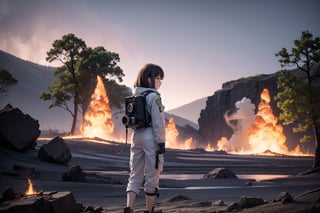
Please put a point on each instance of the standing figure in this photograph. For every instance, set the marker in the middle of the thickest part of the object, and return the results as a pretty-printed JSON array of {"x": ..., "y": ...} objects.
[{"x": 148, "y": 143}]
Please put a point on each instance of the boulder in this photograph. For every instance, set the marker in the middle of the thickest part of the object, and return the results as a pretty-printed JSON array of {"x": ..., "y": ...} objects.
[
  {"x": 249, "y": 202},
  {"x": 56, "y": 151},
  {"x": 219, "y": 173},
  {"x": 176, "y": 198},
  {"x": 233, "y": 207},
  {"x": 284, "y": 197},
  {"x": 74, "y": 173},
  {"x": 8, "y": 194},
  {"x": 218, "y": 203},
  {"x": 18, "y": 131}
]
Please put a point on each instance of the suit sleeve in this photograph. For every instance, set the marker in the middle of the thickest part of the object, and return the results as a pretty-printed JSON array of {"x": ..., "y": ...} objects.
[{"x": 157, "y": 119}]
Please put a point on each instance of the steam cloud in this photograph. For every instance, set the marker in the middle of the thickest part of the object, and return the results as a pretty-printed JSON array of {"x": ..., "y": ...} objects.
[{"x": 240, "y": 121}]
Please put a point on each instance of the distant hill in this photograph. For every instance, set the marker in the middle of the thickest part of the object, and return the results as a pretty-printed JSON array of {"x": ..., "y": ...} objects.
[
  {"x": 190, "y": 111},
  {"x": 33, "y": 79}
]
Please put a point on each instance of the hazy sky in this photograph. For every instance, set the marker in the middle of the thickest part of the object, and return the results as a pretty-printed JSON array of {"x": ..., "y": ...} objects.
[{"x": 200, "y": 44}]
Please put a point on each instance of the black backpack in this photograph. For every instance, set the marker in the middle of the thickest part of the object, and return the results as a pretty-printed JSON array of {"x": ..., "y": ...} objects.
[{"x": 136, "y": 114}]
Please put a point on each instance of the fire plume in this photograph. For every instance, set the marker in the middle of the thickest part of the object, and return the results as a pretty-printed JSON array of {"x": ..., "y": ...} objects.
[
  {"x": 171, "y": 134},
  {"x": 98, "y": 120},
  {"x": 265, "y": 134}
]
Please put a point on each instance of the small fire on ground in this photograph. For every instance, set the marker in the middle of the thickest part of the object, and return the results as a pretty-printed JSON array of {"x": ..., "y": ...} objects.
[
  {"x": 98, "y": 119},
  {"x": 30, "y": 190}
]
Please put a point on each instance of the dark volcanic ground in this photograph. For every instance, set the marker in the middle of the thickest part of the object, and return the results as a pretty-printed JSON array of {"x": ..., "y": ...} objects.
[{"x": 182, "y": 174}]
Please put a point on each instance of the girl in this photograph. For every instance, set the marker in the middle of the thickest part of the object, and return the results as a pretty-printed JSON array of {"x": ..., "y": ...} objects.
[{"x": 148, "y": 143}]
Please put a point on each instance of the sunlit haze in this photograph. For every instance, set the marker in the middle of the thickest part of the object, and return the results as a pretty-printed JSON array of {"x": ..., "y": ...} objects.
[{"x": 199, "y": 44}]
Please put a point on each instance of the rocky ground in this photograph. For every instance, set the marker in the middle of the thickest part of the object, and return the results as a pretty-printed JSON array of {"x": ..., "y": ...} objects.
[{"x": 182, "y": 187}]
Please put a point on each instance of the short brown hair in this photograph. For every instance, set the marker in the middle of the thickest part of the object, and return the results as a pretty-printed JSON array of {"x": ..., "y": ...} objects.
[{"x": 148, "y": 71}]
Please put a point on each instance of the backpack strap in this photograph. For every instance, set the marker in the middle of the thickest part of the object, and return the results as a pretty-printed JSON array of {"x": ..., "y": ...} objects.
[
  {"x": 147, "y": 92},
  {"x": 147, "y": 115}
]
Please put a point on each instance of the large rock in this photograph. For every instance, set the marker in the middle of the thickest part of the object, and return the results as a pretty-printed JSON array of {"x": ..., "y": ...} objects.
[
  {"x": 56, "y": 151},
  {"x": 18, "y": 131},
  {"x": 74, "y": 173},
  {"x": 249, "y": 202},
  {"x": 48, "y": 202},
  {"x": 220, "y": 173}
]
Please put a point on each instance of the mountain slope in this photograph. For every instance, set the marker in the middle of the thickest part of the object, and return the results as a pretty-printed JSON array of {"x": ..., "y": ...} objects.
[
  {"x": 33, "y": 79},
  {"x": 190, "y": 111}
]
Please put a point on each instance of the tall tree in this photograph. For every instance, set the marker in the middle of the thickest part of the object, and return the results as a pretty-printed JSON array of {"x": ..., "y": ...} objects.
[
  {"x": 299, "y": 96},
  {"x": 94, "y": 62},
  {"x": 77, "y": 77},
  {"x": 6, "y": 80},
  {"x": 68, "y": 51}
]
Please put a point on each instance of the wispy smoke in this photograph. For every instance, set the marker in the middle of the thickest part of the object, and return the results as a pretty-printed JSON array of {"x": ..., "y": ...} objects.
[{"x": 240, "y": 121}]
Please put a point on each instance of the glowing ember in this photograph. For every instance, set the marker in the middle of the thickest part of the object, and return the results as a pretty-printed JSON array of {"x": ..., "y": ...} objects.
[
  {"x": 222, "y": 144},
  {"x": 98, "y": 120},
  {"x": 30, "y": 190},
  {"x": 188, "y": 144},
  {"x": 209, "y": 148}
]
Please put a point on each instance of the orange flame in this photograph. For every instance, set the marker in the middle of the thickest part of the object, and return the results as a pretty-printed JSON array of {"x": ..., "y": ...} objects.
[
  {"x": 262, "y": 136},
  {"x": 98, "y": 120},
  {"x": 266, "y": 134},
  {"x": 171, "y": 134},
  {"x": 30, "y": 190},
  {"x": 172, "y": 137}
]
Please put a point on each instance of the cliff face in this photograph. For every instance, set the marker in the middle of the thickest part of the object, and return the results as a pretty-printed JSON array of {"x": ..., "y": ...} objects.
[{"x": 212, "y": 125}]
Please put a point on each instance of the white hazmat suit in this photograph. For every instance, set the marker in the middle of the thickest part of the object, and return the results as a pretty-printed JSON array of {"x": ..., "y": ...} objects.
[{"x": 144, "y": 146}]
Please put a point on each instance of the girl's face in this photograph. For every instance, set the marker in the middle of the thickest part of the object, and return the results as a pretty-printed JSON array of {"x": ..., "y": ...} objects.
[{"x": 157, "y": 82}]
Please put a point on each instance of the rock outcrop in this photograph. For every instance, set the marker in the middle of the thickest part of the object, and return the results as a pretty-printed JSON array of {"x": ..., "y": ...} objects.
[{"x": 18, "y": 131}]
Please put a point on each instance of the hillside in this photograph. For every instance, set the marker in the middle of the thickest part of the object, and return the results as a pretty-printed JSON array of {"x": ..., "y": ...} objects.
[
  {"x": 190, "y": 111},
  {"x": 33, "y": 79}
]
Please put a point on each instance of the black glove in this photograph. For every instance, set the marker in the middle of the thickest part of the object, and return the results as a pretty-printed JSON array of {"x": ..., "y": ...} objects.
[{"x": 161, "y": 149}]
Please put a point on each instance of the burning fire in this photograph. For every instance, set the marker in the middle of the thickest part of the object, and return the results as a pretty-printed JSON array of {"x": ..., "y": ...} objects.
[
  {"x": 172, "y": 137},
  {"x": 171, "y": 134},
  {"x": 98, "y": 120},
  {"x": 30, "y": 190},
  {"x": 265, "y": 134},
  {"x": 255, "y": 134}
]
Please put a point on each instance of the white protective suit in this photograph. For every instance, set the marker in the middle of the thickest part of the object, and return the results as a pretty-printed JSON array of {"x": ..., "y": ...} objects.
[{"x": 144, "y": 146}]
